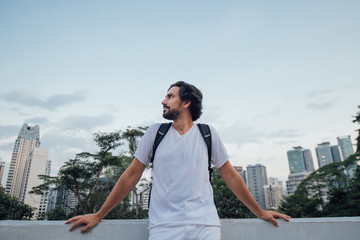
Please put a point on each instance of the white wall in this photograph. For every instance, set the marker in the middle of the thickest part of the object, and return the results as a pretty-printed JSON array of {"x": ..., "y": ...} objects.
[{"x": 247, "y": 229}]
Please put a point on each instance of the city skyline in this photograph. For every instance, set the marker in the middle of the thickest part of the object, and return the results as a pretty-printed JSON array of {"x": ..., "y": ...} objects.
[
  {"x": 300, "y": 165},
  {"x": 274, "y": 76}
]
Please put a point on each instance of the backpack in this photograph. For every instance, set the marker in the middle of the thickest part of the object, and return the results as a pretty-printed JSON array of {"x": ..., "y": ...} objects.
[
  {"x": 164, "y": 128},
  {"x": 205, "y": 132}
]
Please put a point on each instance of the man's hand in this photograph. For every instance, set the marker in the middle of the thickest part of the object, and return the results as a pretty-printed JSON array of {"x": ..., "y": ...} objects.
[
  {"x": 90, "y": 221},
  {"x": 271, "y": 215}
]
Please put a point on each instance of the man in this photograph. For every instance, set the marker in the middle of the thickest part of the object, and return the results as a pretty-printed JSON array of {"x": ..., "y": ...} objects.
[{"x": 182, "y": 205}]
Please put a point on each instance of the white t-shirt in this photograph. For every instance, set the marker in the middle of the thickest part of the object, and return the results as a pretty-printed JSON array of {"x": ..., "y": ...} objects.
[{"x": 181, "y": 192}]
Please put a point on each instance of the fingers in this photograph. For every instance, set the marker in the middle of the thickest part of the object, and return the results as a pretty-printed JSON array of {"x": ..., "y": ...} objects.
[
  {"x": 282, "y": 216},
  {"x": 85, "y": 229},
  {"x": 78, "y": 220},
  {"x": 285, "y": 217},
  {"x": 89, "y": 221},
  {"x": 273, "y": 221},
  {"x": 77, "y": 223},
  {"x": 74, "y": 219},
  {"x": 272, "y": 215}
]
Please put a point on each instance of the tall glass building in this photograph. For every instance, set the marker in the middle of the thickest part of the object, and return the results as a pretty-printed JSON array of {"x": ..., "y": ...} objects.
[
  {"x": 323, "y": 153},
  {"x": 257, "y": 178},
  {"x": 308, "y": 160},
  {"x": 27, "y": 140},
  {"x": 300, "y": 160},
  {"x": 346, "y": 147},
  {"x": 27, "y": 162},
  {"x": 335, "y": 152}
]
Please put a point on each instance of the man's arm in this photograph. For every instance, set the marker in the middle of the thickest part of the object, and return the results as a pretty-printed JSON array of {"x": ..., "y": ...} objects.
[
  {"x": 234, "y": 181},
  {"x": 125, "y": 184}
]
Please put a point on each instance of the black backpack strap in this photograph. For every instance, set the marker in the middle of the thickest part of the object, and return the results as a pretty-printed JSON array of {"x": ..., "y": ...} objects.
[
  {"x": 206, "y": 133},
  {"x": 163, "y": 129}
]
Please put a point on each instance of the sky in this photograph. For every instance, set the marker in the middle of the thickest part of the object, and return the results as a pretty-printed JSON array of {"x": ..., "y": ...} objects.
[{"x": 274, "y": 74}]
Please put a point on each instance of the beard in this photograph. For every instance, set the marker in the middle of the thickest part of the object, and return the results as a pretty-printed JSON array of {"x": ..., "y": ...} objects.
[{"x": 171, "y": 114}]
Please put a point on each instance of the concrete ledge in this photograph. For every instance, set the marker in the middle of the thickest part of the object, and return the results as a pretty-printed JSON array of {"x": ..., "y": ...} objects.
[{"x": 347, "y": 228}]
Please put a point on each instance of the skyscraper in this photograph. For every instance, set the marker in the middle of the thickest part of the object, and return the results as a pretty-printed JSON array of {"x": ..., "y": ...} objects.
[
  {"x": 28, "y": 139},
  {"x": 242, "y": 173},
  {"x": 27, "y": 162},
  {"x": 323, "y": 153},
  {"x": 2, "y": 168},
  {"x": 257, "y": 178},
  {"x": 335, "y": 153},
  {"x": 346, "y": 147},
  {"x": 296, "y": 160},
  {"x": 294, "y": 179},
  {"x": 300, "y": 160},
  {"x": 273, "y": 193},
  {"x": 40, "y": 165},
  {"x": 308, "y": 159},
  {"x": 301, "y": 164}
]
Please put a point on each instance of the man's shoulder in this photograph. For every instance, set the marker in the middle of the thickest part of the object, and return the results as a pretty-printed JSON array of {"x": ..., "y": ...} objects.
[
  {"x": 157, "y": 125},
  {"x": 210, "y": 126},
  {"x": 213, "y": 130}
]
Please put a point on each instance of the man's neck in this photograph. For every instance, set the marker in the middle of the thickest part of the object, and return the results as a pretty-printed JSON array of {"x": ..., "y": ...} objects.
[{"x": 183, "y": 125}]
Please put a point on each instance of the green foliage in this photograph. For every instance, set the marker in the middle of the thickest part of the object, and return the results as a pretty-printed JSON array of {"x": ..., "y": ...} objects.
[
  {"x": 227, "y": 204},
  {"x": 357, "y": 120},
  {"x": 92, "y": 176},
  {"x": 132, "y": 135},
  {"x": 299, "y": 205},
  {"x": 56, "y": 214},
  {"x": 137, "y": 214},
  {"x": 11, "y": 208},
  {"x": 330, "y": 191}
]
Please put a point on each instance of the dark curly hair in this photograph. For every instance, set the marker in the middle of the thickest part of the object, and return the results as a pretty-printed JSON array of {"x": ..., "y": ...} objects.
[{"x": 190, "y": 93}]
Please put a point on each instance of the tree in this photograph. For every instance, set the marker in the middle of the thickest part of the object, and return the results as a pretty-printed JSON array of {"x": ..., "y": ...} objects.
[
  {"x": 227, "y": 204},
  {"x": 133, "y": 135},
  {"x": 357, "y": 119},
  {"x": 91, "y": 176},
  {"x": 327, "y": 192},
  {"x": 56, "y": 214},
  {"x": 11, "y": 208},
  {"x": 332, "y": 190},
  {"x": 344, "y": 199},
  {"x": 299, "y": 205},
  {"x": 353, "y": 196}
]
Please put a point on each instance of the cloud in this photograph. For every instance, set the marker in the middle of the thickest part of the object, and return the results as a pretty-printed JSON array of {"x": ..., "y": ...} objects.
[
  {"x": 271, "y": 113},
  {"x": 9, "y": 131},
  {"x": 64, "y": 146},
  {"x": 7, "y": 146},
  {"x": 31, "y": 99},
  {"x": 321, "y": 105},
  {"x": 37, "y": 120},
  {"x": 57, "y": 138},
  {"x": 78, "y": 122},
  {"x": 320, "y": 92},
  {"x": 285, "y": 133},
  {"x": 240, "y": 133},
  {"x": 322, "y": 99}
]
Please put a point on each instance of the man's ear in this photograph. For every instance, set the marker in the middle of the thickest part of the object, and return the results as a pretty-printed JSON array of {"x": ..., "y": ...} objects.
[{"x": 187, "y": 104}]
